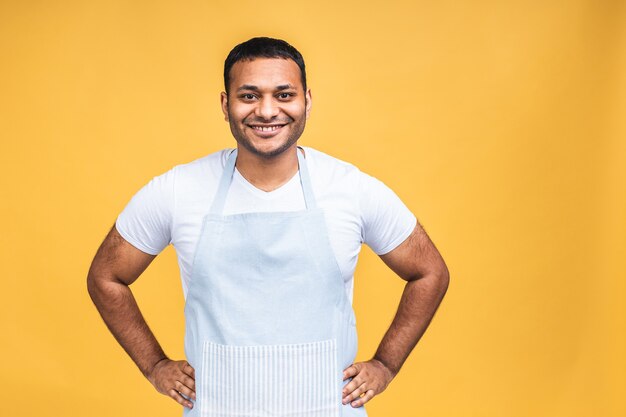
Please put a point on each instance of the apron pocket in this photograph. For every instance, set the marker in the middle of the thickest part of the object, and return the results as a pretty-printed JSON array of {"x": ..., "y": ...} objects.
[{"x": 294, "y": 380}]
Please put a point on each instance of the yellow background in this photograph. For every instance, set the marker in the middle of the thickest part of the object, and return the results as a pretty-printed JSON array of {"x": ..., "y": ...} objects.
[{"x": 502, "y": 125}]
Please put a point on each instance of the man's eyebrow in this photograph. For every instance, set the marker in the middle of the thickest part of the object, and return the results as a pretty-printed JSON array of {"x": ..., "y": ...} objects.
[
  {"x": 255, "y": 88},
  {"x": 248, "y": 87}
]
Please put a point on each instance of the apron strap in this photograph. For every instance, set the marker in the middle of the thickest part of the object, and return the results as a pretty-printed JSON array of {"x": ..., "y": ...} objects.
[
  {"x": 222, "y": 191},
  {"x": 305, "y": 181},
  {"x": 227, "y": 176}
]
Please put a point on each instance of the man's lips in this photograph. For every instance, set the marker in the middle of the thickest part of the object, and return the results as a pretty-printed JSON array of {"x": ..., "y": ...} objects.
[{"x": 266, "y": 130}]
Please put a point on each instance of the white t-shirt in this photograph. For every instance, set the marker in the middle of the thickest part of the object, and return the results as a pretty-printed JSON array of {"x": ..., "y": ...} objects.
[{"x": 358, "y": 209}]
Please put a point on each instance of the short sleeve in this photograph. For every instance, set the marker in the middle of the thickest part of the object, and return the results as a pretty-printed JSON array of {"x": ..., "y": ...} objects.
[
  {"x": 386, "y": 220},
  {"x": 146, "y": 221}
]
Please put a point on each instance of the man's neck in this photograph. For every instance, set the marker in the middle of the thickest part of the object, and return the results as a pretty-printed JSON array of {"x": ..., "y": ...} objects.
[{"x": 267, "y": 174}]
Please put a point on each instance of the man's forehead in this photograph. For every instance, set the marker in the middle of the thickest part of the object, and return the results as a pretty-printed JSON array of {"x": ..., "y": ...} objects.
[{"x": 265, "y": 73}]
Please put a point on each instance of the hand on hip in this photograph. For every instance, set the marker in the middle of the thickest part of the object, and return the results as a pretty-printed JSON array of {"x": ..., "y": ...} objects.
[
  {"x": 175, "y": 379},
  {"x": 369, "y": 378}
]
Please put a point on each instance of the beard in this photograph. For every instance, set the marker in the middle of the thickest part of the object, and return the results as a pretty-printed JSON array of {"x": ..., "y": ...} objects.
[{"x": 296, "y": 127}]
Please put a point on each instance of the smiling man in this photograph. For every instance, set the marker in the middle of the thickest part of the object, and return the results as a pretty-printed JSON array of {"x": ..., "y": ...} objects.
[
  {"x": 275, "y": 128},
  {"x": 267, "y": 236}
]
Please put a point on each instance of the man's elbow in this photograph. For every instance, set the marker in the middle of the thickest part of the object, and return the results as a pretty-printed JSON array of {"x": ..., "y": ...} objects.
[
  {"x": 102, "y": 286},
  {"x": 95, "y": 286},
  {"x": 442, "y": 278}
]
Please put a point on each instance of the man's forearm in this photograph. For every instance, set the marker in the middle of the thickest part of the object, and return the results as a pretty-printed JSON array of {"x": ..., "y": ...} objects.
[
  {"x": 418, "y": 305},
  {"x": 120, "y": 312}
]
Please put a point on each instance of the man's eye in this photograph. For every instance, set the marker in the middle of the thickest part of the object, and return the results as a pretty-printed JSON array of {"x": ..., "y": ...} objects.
[
  {"x": 285, "y": 96},
  {"x": 247, "y": 96}
]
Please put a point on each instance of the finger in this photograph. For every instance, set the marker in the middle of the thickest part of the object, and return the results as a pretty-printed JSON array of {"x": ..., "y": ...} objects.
[
  {"x": 179, "y": 398},
  {"x": 185, "y": 390},
  {"x": 354, "y": 394},
  {"x": 187, "y": 381},
  {"x": 351, "y": 370},
  {"x": 351, "y": 386},
  {"x": 365, "y": 398},
  {"x": 188, "y": 369}
]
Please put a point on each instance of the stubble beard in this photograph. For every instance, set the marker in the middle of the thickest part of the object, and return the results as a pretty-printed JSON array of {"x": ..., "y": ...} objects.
[{"x": 242, "y": 139}]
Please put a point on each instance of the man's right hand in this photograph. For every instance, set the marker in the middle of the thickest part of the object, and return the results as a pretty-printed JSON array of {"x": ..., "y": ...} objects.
[
  {"x": 115, "y": 267},
  {"x": 173, "y": 378}
]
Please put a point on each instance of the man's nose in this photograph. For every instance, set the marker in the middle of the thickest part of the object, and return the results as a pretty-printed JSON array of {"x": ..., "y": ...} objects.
[{"x": 267, "y": 109}]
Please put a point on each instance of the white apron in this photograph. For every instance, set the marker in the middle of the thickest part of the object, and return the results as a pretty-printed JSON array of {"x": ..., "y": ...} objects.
[{"x": 269, "y": 327}]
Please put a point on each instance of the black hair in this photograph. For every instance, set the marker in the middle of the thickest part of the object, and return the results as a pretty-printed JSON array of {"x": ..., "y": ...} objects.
[{"x": 263, "y": 47}]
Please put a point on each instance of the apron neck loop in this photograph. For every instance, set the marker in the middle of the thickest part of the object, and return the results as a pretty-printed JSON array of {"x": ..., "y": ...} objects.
[
  {"x": 305, "y": 181},
  {"x": 227, "y": 176},
  {"x": 222, "y": 191}
]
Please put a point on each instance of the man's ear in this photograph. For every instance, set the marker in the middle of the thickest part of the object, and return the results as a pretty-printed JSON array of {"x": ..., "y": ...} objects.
[
  {"x": 224, "y": 101},
  {"x": 308, "y": 104}
]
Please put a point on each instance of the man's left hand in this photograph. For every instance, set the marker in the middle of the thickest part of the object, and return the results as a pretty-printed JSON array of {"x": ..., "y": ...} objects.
[{"x": 369, "y": 378}]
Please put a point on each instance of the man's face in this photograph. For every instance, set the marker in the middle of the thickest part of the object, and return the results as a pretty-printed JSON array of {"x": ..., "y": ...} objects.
[{"x": 266, "y": 106}]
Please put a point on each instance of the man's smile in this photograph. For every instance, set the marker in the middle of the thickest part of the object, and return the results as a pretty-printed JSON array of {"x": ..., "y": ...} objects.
[{"x": 266, "y": 130}]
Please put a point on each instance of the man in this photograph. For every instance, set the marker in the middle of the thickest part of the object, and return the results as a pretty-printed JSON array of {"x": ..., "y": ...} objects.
[{"x": 267, "y": 236}]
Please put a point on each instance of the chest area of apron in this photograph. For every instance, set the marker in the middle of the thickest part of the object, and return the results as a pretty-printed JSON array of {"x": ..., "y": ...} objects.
[{"x": 266, "y": 278}]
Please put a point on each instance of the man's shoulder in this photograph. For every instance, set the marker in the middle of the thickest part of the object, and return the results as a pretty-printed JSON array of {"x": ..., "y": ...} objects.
[
  {"x": 202, "y": 168},
  {"x": 188, "y": 176},
  {"x": 213, "y": 161},
  {"x": 325, "y": 163},
  {"x": 334, "y": 172}
]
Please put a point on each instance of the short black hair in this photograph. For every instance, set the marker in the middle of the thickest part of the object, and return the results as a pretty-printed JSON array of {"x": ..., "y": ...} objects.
[{"x": 263, "y": 47}]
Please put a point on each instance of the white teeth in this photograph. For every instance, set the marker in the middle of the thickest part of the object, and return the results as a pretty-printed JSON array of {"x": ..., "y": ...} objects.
[{"x": 265, "y": 128}]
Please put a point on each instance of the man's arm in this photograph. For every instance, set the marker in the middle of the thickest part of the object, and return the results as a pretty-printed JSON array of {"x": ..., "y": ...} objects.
[
  {"x": 118, "y": 264},
  {"x": 418, "y": 262}
]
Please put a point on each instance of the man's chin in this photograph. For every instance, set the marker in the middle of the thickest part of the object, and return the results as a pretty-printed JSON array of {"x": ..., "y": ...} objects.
[{"x": 267, "y": 150}]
